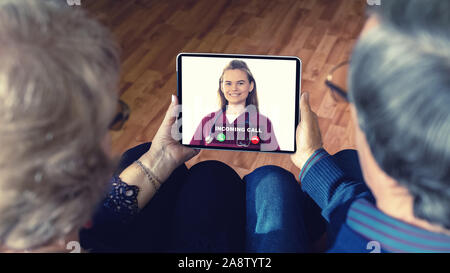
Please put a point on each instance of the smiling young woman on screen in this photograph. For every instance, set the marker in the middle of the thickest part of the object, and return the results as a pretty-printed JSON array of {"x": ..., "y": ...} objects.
[{"x": 238, "y": 123}]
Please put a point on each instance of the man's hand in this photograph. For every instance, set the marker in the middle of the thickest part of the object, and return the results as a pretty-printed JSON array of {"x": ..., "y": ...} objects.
[
  {"x": 166, "y": 153},
  {"x": 308, "y": 133}
]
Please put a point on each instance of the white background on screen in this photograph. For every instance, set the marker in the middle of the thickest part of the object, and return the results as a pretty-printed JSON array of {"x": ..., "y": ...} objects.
[{"x": 275, "y": 81}]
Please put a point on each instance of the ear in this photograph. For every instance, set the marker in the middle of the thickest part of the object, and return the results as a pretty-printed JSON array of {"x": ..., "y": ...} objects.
[{"x": 252, "y": 85}]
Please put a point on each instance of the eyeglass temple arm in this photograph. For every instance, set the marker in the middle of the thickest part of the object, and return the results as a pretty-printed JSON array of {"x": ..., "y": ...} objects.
[{"x": 336, "y": 88}]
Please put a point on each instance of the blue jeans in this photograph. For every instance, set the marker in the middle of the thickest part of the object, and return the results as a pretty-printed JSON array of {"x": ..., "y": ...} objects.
[
  {"x": 280, "y": 216},
  {"x": 208, "y": 208}
]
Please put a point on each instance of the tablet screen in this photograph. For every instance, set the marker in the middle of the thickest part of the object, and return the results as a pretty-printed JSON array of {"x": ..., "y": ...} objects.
[{"x": 239, "y": 102}]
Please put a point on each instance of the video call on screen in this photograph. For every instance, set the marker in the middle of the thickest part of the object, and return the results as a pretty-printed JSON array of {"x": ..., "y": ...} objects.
[{"x": 239, "y": 103}]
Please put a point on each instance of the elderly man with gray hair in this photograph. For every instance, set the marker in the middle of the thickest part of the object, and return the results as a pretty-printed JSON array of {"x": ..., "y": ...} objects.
[
  {"x": 59, "y": 71},
  {"x": 396, "y": 197}
]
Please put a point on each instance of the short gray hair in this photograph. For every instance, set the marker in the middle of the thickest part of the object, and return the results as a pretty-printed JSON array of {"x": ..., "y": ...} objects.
[
  {"x": 59, "y": 71},
  {"x": 400, "y": 85}
]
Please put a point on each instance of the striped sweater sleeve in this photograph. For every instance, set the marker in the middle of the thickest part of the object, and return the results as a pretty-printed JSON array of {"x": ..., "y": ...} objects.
[{"x": 328, "y": 185}]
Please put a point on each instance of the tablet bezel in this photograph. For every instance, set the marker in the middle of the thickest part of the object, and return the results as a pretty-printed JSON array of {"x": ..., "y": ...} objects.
[{"x": 242, "y": 56}]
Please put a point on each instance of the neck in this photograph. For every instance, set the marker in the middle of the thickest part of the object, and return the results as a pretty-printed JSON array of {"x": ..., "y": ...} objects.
[
  {"x": 392, "y": 198},
  {"x": 398, "y": 203},
  {"x": 235, "y": 108}
]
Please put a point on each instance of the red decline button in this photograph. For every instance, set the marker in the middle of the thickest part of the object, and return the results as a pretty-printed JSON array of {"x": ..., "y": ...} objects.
[{"x": 255, "y": 139}]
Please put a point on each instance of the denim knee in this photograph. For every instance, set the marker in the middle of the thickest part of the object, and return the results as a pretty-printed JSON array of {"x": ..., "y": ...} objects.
[
  {"x": 271, "y": 177},
  {"x": 272, "y": 192}
]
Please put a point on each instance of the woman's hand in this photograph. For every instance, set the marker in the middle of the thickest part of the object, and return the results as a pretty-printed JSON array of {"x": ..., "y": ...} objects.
[
  {"x": 166, "y": 153},
  {"x": 308, "y": 134}
]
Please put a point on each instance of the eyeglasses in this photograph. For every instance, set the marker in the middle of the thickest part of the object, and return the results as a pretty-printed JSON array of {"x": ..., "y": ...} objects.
[
  {"x": 337, "y": 81},
  {"x": 122, "y": 115}
]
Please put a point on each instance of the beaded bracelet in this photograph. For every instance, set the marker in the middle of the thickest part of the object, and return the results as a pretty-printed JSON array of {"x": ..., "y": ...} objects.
[{"x": 149, "y": 175}]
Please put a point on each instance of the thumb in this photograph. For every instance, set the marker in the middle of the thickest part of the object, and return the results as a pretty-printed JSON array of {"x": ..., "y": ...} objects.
[
  {"x": 305, "y": 108},
  {"x": 171, "y": 113}
]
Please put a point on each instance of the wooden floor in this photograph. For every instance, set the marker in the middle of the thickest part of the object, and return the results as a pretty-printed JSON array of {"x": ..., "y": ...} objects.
[{"x": 152, "y": 33}]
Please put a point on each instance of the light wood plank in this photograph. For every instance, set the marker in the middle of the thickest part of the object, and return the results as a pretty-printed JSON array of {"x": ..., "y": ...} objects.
[{"x": 151, "y": 33}]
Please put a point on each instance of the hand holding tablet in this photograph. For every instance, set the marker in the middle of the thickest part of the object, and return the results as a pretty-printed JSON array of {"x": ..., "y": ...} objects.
[
  {"x": 308, "y": 134},
  {"x": 239, "y": 102}
]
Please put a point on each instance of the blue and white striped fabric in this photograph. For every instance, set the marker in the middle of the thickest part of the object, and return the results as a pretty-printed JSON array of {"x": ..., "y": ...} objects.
[{"x": 313, "y": 159}]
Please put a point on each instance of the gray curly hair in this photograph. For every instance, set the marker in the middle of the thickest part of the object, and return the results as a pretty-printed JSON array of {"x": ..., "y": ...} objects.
[{"x": 58, "y": 75}]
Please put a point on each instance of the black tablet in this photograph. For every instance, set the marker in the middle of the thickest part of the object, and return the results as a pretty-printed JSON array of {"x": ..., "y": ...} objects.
[{"x": 239, "y": 102}]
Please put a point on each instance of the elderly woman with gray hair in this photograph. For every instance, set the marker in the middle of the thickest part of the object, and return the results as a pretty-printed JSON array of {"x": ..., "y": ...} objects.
[{"x": 59, "y": 71}]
